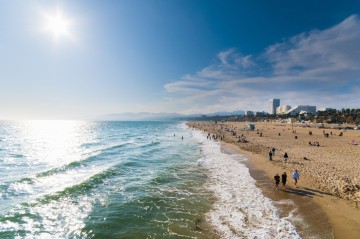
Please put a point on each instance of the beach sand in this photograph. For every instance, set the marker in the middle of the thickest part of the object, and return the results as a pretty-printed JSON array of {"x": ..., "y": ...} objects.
[{"x": 328, "y": 195}]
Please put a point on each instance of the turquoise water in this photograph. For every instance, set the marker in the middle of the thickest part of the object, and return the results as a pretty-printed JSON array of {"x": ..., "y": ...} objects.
[
  {"x": 78, "y": 179},
  {"x": 75, "y": 179}
]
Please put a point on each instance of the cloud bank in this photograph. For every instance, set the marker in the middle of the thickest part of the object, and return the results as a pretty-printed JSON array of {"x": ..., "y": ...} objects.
[{"x": 320, "y": 67}]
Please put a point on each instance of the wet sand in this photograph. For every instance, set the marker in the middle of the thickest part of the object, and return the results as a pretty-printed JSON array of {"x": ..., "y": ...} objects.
[
  {"x": 295, "y": 203},
  {"x": 318, "y": 213}
]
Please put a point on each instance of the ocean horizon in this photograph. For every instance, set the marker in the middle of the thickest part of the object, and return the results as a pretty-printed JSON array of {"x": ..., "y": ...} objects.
[{"x": 140, "y": 179}]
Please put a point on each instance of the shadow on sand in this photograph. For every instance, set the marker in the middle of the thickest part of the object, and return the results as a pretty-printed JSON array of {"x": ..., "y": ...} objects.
[
  {"x": 304, "y": 192},
  {"x": 317, "y": 191}
]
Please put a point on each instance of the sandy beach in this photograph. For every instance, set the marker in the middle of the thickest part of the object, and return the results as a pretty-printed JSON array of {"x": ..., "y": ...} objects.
[{"x": 328, "y": 192}]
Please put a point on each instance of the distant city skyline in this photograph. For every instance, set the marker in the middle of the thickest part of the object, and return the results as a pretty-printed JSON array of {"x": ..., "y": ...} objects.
[{"x": 85, "y": 59}]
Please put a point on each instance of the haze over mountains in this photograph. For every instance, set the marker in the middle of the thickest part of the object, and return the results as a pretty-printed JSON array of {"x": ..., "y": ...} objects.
[{"x": 163, "y": 116}]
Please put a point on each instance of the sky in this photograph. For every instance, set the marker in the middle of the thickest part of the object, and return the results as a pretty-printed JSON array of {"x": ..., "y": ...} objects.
[{"x": 84, "y": 59}]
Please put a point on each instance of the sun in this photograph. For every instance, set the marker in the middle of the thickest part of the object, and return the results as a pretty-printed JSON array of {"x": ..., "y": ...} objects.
[{"x": 58, "y": 24}]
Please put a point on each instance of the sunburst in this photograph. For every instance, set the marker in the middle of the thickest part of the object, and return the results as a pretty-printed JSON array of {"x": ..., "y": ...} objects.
[{"x": 58, "y": 24}]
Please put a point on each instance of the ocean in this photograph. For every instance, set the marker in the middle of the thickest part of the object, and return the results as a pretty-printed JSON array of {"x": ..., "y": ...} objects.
[{"x": 80, "y": 179}]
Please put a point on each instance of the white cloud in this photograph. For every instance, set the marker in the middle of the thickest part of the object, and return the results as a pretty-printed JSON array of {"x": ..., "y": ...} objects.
[
  {"x": 225, "y": 54},
  {"x": 318, "y": 68},
  {"x": 319, "y": 52},
  {"x": 187, "y": 86}
]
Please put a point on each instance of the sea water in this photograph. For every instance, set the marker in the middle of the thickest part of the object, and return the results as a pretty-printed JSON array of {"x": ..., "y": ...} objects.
[{"x": 78, "y": 179}]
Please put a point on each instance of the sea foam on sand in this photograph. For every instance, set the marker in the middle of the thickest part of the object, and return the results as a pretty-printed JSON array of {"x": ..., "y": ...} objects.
[{"x": 241, "y": 210}]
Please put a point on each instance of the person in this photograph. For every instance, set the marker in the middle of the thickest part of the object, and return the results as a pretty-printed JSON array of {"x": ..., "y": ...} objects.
[
  {"x": 273, "y": 151},
  {"x": 286, "y": 156},
  {"x": 296, "y": 176},
  {"x": 277, "y": 181},
  {"x": 270, "y": 155},
  {"x": 283, "y": 179}
]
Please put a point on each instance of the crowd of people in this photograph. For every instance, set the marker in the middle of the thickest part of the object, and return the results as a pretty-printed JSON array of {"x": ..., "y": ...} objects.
[{"x": 295, "y": 175}]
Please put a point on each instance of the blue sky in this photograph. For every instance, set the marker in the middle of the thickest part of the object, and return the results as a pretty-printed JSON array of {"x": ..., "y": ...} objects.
[{"x": 184, "y": 56}]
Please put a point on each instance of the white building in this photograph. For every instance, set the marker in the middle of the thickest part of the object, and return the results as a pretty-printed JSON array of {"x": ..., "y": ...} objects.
[
  {"x": 302, "y": 109},
  {"x": 282, "y": 109},
  {"x": 273, "y": 104}
]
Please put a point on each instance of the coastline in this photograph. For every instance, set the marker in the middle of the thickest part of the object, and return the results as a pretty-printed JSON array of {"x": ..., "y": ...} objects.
[
  {"x": 310, "y": 220},
  {"x": 324, "y": 215}
]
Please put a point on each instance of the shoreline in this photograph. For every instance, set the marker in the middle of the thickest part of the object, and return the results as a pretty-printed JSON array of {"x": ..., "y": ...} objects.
[
  {"x": 325, "y": 215},
  {"x": 308, "y": 218}
]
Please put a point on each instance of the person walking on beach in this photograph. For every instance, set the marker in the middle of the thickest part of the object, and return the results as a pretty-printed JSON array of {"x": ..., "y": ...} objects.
[
  {"x": 286, "y": 156},
  {"x": 273, "y": 151},
  {"x": 296, "y": 176},
  {"x": 270, "y": 155},
  {"x": 277, "y": 181},
  {"x": 283, "y": 179}
]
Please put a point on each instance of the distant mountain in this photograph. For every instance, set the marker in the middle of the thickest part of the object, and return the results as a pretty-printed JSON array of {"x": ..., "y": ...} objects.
[
  {"x": 162, "y": 116},
  {"x": 141, "y": 116}
]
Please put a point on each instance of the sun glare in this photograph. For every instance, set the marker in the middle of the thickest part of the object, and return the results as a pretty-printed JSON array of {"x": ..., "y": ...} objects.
[{"x": 58, "y": 25}]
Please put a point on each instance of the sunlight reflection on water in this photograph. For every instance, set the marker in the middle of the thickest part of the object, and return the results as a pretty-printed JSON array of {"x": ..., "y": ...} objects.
[{"x": 75, "y": 179}]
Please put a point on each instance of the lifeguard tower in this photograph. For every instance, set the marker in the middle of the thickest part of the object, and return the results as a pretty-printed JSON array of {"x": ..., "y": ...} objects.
[{"x": 251, "y": 127}]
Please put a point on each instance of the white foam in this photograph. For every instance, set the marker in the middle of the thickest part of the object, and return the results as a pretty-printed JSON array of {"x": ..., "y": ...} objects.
[{"x": 241, "y": 210}]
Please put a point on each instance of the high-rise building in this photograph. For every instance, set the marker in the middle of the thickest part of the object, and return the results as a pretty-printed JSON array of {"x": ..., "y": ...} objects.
[{"x": 273, "y": 104}]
